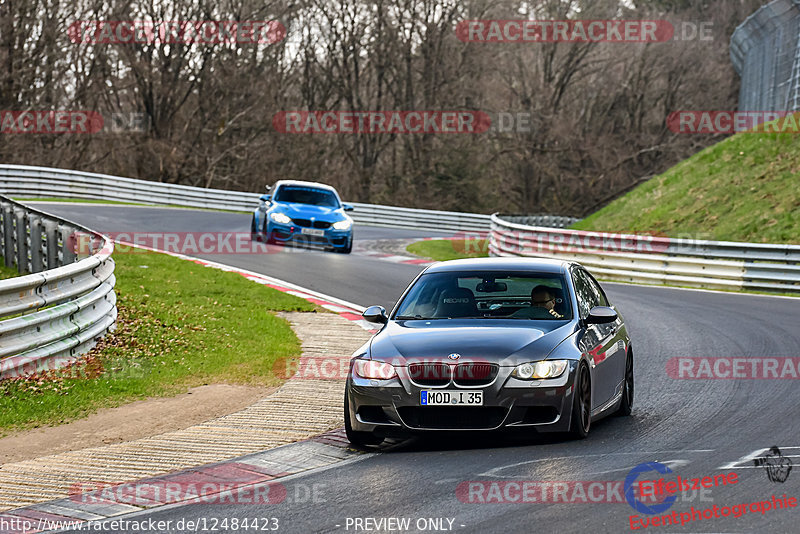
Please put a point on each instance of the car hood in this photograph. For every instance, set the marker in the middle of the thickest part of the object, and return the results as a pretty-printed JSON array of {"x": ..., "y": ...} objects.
[
  {"x": 307, "y": 211},
  {"x": 505, "y": 342}
]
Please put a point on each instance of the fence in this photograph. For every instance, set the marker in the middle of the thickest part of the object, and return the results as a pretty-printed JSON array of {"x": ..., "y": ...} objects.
[
  {"x": 39, "y": 182},
  {"x": 56, "y": 313},
  {"x": 655, "y": 260},
  {"x": 765, "y": 51}
]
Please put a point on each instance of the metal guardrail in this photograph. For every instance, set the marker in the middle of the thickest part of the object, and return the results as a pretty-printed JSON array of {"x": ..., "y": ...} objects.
[
  {"x": 655, "y": 260},
  {"x": 33, "y": 182},
  {"x": 56, "y": 313}
]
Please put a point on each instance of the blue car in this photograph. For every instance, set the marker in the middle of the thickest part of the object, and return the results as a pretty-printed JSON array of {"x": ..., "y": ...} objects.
[{"x": 303, "y": 213}]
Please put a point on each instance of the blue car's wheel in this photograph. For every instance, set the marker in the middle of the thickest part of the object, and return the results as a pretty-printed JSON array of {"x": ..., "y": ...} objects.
[
  {"x": 268, "y": 235},
  {"x": 346, "y": 249},
  {"x": 254, "y": 234}
]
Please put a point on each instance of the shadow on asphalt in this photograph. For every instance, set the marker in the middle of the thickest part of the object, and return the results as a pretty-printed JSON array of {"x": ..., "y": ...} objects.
[{"x": 456, "y": 441}]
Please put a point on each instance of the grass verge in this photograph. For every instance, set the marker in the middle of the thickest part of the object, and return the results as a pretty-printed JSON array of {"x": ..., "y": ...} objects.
[
  {"x": 450, "y": 249},
  {"x": 741, "y": 189},
  {"x": 7, "y": 272},
  {"x": 180, "y": 325}
]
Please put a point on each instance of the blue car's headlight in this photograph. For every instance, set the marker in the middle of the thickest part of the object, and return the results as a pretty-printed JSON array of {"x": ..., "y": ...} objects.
[
  {"x": 280, "y": 218},
  {"x": 343, "y": 225}
]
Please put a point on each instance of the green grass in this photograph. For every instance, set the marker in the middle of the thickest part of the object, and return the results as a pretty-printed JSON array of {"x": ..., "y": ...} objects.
[
  {"x": 745, "y": 188},
  {"x": 7, "y": 272},
  {"x": 180, "y": 325},
  {"x": 446, "y": 249}
]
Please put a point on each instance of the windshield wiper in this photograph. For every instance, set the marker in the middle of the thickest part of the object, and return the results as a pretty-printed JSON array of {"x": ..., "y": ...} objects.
[{"x": 414, "y": 318}]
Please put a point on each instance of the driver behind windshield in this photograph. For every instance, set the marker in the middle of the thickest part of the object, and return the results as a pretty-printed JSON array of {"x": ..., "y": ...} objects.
[{"x": 543, "y": 303}]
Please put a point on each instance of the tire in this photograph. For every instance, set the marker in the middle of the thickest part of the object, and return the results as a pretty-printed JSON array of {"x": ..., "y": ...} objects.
[
  {"x": 357, "y": 438},
  {"x": 268, "y": 235},
  {"x": 581, "y": 404},
  {"x": 345, "y": 250},
  {"x": 254, "y": 235},
  {"x": 626, "y": 405}
]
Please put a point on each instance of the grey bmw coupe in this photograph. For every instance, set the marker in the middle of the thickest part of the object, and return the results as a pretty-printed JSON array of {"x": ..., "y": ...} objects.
[{"x": 490, "y": 344}]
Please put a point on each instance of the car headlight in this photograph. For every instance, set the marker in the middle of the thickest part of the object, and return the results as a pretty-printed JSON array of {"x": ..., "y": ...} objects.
[
  {"x": 343, "y": 225},
  {"x": 373, "y": 369},
  {"x": 281, "y": 218},
  {"x": 538, "y": 370}
]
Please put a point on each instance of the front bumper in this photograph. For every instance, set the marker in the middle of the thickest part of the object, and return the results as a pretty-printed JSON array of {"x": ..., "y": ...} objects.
[
  {"x": 392, "y": 407},
  {"x": 293, "y": 234}
]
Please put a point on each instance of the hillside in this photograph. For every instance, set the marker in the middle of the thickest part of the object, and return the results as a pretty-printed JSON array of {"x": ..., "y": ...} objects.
[{"x": 745, "y": 188}]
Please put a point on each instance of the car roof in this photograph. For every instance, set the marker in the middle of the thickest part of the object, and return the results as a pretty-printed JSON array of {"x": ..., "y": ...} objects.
[
  {"x": 501, "y": 264},
  {"x": 302, "y": 183}
]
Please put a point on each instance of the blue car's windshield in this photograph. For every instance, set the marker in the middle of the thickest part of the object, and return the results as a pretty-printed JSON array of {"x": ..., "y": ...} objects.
[
  {"x": 306, "y": 195},
  {"x": 486, "y": 295}
]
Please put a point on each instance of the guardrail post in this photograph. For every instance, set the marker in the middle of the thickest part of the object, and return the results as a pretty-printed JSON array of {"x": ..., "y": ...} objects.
[
  {"x": 36, "y": 243},
  {"x": 8, "y": 234},
  {"x": 51, "y": 244},
  {"x": 20, "y": 218},
  {"x": 67, "y": 239}
]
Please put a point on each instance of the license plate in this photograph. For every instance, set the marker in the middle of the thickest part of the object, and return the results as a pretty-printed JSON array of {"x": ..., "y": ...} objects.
[
  {"x": 451, "y": 398},
  {"x": 312, "y": 231}
]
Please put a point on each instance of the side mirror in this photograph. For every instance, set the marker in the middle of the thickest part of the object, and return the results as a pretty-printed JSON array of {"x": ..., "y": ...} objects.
[
  {"x": 266, "y": 198},
  {"x": 375, "y": 314},
  {"x": 347, "y": 207},
  {"x": 601, "y": 315}
]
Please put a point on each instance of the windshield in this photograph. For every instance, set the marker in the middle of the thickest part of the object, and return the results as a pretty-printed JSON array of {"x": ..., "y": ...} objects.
[
  {"x": 486, "y": 295},
  {"x": 307, "y": 195}
]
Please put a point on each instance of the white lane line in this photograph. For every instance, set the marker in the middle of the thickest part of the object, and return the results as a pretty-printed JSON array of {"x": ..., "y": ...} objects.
[
  {"x": 672, "y": 464},
  {"x": 749, "y": 458}
]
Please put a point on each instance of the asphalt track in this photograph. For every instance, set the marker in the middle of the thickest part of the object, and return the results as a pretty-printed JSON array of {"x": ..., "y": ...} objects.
[{"x": 698, "y": 427}]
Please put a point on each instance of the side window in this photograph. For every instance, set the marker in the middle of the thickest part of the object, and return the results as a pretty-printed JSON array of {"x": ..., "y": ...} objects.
[
  {"x": 586, "y": 296},
  {"x": 595, "y": 288}
]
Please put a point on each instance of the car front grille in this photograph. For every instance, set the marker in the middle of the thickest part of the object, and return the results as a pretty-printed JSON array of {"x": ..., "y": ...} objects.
[
  {"x": 452, "y": 417},
  {"x": 474, "y": 374},
  {"x": 307, "y": 223},
  {"x": 463, "y": 374},
  {"x": 429, "y": 374}
]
